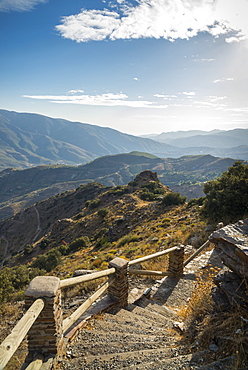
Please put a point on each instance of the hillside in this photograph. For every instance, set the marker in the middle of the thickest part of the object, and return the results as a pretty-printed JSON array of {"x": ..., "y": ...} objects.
[
  {"x": 88, "y": 227},
  {"x": 31, "y": 139},
  {"x": 22, "y": 188},
  {"x": 77, "y": 213}
]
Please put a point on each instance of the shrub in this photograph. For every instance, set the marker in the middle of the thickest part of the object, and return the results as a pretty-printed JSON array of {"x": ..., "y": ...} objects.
[
  {"x": 27, "y": 249},
  {"x": 173, "y": 199},
  {"x": 94, "y": 203},
  {"x": 13, "y": 279},
  {"x": 119, "y": 190},
  {"x": 48, "y": 261},
  {"x": 127, "y": 239},
  {"x": 78, "y": 216},
  {"x": 103, "y": 243},
  {"x": 63, "y": 249},
  {"x": 102, "y": 212},
  {"x": 44, "y": 243},
  {"x": 101, "y": 233},
  {"x": 227, "y": 196},
  {"x": 196, "y": 202},
  {"x": 147, "y": 195},
  {"x": 77, "y": 244}
]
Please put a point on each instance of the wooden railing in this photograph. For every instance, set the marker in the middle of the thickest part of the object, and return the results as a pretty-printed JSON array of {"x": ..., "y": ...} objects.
[
  {"x": 46, "y": 334},
  {"x": 12, "y": 342}
]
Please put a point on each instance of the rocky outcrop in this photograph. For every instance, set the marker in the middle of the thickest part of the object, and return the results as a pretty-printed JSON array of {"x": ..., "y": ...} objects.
[{"x": 231, "y": 243}]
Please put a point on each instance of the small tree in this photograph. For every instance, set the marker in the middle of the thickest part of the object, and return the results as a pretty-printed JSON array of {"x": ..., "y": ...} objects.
[
  {"x": 173, "y": 199},
  {"x": 227, "y": 197}
]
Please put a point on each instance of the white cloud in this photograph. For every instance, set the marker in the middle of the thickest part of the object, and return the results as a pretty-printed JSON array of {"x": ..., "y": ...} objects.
[
  {"x": 166, "y": 97},
  {"x": 223, "y": 80},
  {"x": 190, "y": 93},
  {"x": 19, "y": 5},
  {"x": 107, "y": 100},
  {"x": 136, "y": 78},
  {"x": 202, "y": 60},
  {"x": 168, "y": 19},
  {"x": 213, "y": 98},
  {"x": 75, "y": 91}
]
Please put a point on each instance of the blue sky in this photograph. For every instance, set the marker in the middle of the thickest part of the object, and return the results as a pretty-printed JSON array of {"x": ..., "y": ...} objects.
[{"x": 141, "y": 67}]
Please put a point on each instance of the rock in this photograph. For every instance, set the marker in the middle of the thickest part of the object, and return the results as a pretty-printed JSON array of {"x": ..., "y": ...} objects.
[
  {"x": 233, "y": 286},
  {"x": 213, "y": 347},
  {"x": 209, "y": 228},
  {"x": 231, "y": 242},
  {"x": 145, "y": 177},
  {"x": 195, "y": 240},
  {"x": 179, "y": 325},
  {"x": 136, "y": 267}
]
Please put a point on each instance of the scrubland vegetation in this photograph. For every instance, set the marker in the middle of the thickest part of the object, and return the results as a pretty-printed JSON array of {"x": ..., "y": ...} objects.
[{"x": 131, "y": 224}]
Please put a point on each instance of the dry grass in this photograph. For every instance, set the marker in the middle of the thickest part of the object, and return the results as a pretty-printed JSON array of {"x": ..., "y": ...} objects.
[
  {"x": 205, "y": 324},
  {"x": 200, "y": 302}
]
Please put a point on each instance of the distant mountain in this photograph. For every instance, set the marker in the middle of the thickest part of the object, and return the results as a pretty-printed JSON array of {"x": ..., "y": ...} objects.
[
  {"x": 170, "y": 136},
  {"x": 22, "y": 188},
  {"x": 31, "y": 139},
  {"x": 217, "y": 139}
]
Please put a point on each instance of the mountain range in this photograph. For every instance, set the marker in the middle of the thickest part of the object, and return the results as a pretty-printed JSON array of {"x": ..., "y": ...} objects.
[
  {"x": 21, "y": 188},
  {"x": 28, "y": 140}
]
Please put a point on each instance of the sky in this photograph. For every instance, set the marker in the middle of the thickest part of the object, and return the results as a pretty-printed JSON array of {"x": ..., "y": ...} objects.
[{"x": 140, "y": 67}]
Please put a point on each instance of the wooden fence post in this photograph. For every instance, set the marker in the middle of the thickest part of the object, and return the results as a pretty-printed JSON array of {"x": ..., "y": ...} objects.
[
  {"x": 119, "y": 287},
  {"x": 45, "y": 336},
  {"x": 176, "y": 260}
]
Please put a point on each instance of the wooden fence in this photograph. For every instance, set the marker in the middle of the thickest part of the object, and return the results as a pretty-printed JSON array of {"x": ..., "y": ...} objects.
[{"x": 43, "y": 322}]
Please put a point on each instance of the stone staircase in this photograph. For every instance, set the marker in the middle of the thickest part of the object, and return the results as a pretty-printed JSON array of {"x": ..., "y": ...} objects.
[{"x": 147, "y": 334}]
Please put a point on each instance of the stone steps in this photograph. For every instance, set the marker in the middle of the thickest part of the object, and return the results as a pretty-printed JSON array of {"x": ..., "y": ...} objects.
[
  {"x": 153, "y": 306},
  {"x": 142, "y": 336}
]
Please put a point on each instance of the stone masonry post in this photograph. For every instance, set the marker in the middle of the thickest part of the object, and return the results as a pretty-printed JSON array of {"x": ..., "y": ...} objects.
[
  {"x": 176, "y": 260},
  {"x": 119, "y": 287},
  {"x": 46, "y": 335}
]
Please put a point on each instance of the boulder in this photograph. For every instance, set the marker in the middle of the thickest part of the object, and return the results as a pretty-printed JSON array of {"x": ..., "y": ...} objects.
[{"x": 231, "y": 243}]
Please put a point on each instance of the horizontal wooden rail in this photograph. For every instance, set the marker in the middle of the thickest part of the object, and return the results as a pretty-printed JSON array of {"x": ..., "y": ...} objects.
[
  {"x": 85, "y": 278},
  {"x": 196, "y": 253},
  {"x": 70, "y": 320},
  {"x": 151, "y": 256},
  {"x": 149, "y": 272},
  {"x": 12, "y": 342}
]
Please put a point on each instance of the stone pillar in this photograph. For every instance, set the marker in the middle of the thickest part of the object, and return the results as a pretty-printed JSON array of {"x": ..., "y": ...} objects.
[
  {"x": 46, "y": 334},
  {"x": 176, "y": 260},
  {"x": 119, "y": 287}
]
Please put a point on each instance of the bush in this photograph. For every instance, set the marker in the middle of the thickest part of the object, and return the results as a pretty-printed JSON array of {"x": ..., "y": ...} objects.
[
  {"x": 103, "y": 243},
  {"x": 27, "y": 249},
  {"x": 77, "y": 244},
  {"x": 127, "y": 239},
  {"x": 151, "y": 191},
  {"x": 196, "y": 202},
  {"x": 147, "y": 195},
  {"x": 48, "y": 261},
  {"x": 173, "y": 199},
  {"x": 94, "y": 203},
  {"x": 13, "y": 279},
  {"x": 103, "y": 212},
  {"x": 227, "y": 197},
  {"x": 119, "y": 190},
  {"x": 44, "y": 243},
  {"x": 101, "y": 233}
]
